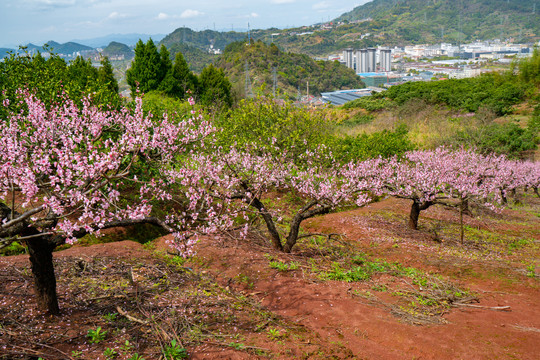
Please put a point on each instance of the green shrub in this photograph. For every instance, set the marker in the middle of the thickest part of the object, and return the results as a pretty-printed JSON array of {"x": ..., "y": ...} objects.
[
  {"x": 369, "y": 103},
  {"x": 508, "y": 139},
  {"x": 494, "y": 91},
  {"x": 385, "y": 143},
  {"x": 282, "y": 129}
]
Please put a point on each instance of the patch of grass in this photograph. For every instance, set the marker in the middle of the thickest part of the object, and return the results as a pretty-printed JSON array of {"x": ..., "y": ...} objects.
[
  {"x": 531, "y": 271},
  {"x": 359, "y": 268},
  {"x": 358, "y": 119},
  {"x": 282, "y": 266},
  {"x": 237, "y": 346},
  {"x": 244, "y": 279},
  {"x": 15, "y": 248}
]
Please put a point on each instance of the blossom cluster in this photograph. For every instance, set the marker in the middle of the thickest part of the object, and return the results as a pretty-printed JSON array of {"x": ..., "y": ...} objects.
[{"x": 79, "y": 165}]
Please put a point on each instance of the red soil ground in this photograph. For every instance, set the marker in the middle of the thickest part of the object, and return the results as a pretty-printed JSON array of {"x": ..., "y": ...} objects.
[{"x": 315, "y": 318}]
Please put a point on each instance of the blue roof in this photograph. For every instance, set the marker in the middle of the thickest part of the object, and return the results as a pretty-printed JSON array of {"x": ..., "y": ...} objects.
[
  {"x": 343, "y": 96},
  {"x": 370, "y": 74}
]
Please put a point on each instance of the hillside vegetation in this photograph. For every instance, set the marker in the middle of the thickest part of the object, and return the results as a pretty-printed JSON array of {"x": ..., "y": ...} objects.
[
  {"x": 494, "y": 113},
  {"x": 423, "y": 21},
  {"x": 202, "y": 39},
  {"x": 115, "y": 48},
  {"x": 293, "y": 71}
]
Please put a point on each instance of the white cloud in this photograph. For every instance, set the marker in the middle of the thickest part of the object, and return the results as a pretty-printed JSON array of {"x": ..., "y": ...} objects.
[
  {"x": 190, "y": 14},
  {"x": 282, "y": 1},
  {"x": 162, "y": 16},
  {"x": 47, "y": 4},
  {"x": 249, "y": 16},
  {"x": 116, "y": 15},
  {"x": 323, "y": 5},
  {"x": 55, "y": 2}
]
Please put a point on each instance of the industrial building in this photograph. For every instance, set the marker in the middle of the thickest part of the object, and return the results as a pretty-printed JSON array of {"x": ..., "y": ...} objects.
[{"x": 343, "y": 96}]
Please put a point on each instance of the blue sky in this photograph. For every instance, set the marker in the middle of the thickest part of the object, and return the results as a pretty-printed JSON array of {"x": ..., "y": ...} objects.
[{"x": 37, "y": 21}]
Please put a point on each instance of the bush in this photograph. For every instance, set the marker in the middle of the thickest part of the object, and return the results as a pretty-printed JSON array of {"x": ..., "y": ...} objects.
[
  {"x": 508, "y": 139},
  {"x": 369, "y": 103},
  {"x": 385, "y": 144},
  {"x": 274, "y": 127},
  {"x": 494, "y": 91}
]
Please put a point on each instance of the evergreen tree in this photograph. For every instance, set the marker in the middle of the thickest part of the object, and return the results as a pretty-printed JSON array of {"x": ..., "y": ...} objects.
[
  {"x": 82, "y": 74},
  {"x": 215, "y": 88},
  {"x": 179, "y": 79},
  {"x": 146, "y": 70},
  {"x": 165, "y": 62},
  {"x": 106, "y": 75}
]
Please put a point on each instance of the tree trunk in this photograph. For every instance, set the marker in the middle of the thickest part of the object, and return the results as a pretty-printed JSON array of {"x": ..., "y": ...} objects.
[
  {"x": 503, "y": 197},
  {"x": 461, "y": 232},
  {"x": 40, "y": 251},
  {"x": 414, "y": 215},
  {"x": 416, "y": 207},
  {"x": 304, "y": 214},
  {"x": 274, "y": 234},
  {"x": 293, "y": 233}
]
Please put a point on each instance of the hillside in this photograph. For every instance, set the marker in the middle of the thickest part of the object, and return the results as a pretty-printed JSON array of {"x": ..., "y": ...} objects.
[
  {"x": 128, "y": 39},
  {"x": 4, "y": 52},
  {"x": 293, "y": 71},
  {"x": 116, "y": 49},
  {"x": 426, "y": 21},
  {"x": 241, "y": 299},
  {"x": 196, "y": 58},
  {"x": 202, "y": 40},
  {"x": 66, "y": 48},
  {"x": 390, "y": 22}
]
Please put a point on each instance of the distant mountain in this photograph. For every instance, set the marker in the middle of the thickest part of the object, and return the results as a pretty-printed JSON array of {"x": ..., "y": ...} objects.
[
  {"x": 4, "y": 52},
  {"x": 118, "y": 50},
  {"x": 203, "y": 40},
  {"x": 293, "y": 71},
  {"x": 448, "y": 20},
  {"x": 66, "y": 48},
  {"x": 128, "y": 39}
]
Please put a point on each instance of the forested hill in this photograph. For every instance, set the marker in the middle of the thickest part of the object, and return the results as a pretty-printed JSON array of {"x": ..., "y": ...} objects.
[
  {"x": 454, "y": 20},
  {"x": 202, "y": 40},
  {"x": 66, "y": 48},
  {"x": 293, "y": 71},
  {"x": 115, "y": 49}
]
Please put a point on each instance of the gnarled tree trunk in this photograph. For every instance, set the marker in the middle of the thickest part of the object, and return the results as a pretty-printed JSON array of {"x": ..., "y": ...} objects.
[
  {"x": 41, "y": 258},
  {"x": 416, "y": 207}
]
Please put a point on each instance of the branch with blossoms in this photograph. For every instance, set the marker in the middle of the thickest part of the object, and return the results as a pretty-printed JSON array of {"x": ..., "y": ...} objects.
[
  {"x": 443, "y": 176},
  {"x": 67, "y": 171},
  {"x": 240, "y": 181},
  {"x": 71, "y": 165}
]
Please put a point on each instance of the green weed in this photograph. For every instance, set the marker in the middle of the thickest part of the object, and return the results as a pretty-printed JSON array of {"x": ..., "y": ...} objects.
[
  {"x": 174, "y": 352},
  {"x": 110, "y": 353},
  {"x": 96, "y": 336}
]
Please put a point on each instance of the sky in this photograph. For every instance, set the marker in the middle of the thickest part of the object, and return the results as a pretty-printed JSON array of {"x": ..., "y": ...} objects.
[{"x": 38, "y": 21}]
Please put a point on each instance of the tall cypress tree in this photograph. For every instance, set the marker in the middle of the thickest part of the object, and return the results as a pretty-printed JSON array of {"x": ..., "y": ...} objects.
[
  {"x": 146, "y": 69},
  {"x": 215, "y": 87},
  {"x": 179, "y": 79},
  {"x": 106, "y": 75}
]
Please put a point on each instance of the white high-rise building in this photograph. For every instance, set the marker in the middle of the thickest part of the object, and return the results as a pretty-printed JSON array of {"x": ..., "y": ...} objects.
[
  {"x": 385, "y": 59},
  {"x": 348, "y": 58}
]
